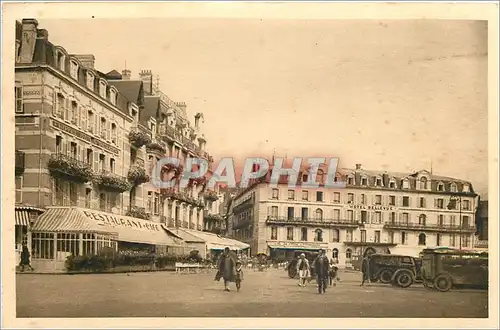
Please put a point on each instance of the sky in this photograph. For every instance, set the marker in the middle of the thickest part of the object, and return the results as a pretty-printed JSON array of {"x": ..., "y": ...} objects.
[{"x": 391, "y": 95}]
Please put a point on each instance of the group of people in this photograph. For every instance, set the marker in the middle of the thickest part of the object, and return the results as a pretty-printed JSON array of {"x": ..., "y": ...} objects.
[{"x": 325, "y": 269}]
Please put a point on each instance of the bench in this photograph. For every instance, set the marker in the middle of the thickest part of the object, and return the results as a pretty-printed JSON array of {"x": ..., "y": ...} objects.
[{"x": 185, "y": 268}]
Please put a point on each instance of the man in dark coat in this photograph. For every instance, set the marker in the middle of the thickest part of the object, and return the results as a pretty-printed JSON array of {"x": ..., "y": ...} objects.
[
  {"x": 226, "y": 268},
  {"x": 321, "y": 265},
  {"x": 25, "y": 258},
  {"x": 365, "y": 269}
]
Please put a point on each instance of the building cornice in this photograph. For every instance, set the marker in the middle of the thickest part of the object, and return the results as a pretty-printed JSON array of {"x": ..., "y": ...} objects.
[{"x": 72, "y": 83}]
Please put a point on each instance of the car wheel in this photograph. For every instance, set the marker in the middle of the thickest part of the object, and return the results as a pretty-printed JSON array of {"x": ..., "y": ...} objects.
[
  {"x": 443, "y": 283},
  {"x": 385, "y": 276},
  {"x": 404, "y": 279}
]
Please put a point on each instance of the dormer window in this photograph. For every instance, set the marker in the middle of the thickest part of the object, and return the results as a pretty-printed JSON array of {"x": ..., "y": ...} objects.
[
  {"x": 378, "y": 182},
  {"x": 364, "y": 181},
  {"x": 73, "y": 70},
  {"x": 406, "y": 184},
  {"x": 61, "y": 61},
  {"x": 90, "y": 81},
  {"x": 453, "y": 187},
  {"x": 392, "y": 184},
  {"x": 423, "y": 183},
  {"x": 466, "y": 188},
  {"x": 112, "y": 96},
  {"x": 350, "y": 180},
  {"x": 102, "y": 88},
  {"x": 440, "y": 186}
]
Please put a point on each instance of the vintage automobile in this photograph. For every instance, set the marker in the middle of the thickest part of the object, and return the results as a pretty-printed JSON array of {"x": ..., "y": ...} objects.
[
  {"x": 443, "y": 268},
  {"x": 399, "y": 270},
  {"x": 292, "y": 264}
]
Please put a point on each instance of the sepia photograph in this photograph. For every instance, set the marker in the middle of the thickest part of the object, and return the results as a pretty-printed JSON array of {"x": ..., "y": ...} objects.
[{"x": 249, "y": 167}]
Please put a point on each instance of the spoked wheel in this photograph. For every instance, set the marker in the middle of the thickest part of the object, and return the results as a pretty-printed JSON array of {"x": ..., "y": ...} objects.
[
  {"x": 403, "y": 279},
  {"x": 385, "y": 276},
  {"x": 443, "y": 283}
]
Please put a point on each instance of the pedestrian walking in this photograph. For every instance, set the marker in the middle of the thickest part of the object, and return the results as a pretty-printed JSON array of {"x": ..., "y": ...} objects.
[
  {"x": 226, "y": 268},
  {"x": 365, "y": 269},
  {"x": 303, "y": 268},
  {"x": 333, "y": 272},
  {"x": 320, "y": 266},
  {"x": 239, "y": 275},
  {"x": 25, "y": 258}
]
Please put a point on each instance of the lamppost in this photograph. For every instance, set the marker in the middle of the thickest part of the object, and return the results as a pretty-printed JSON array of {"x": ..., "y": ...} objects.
[{"x": 452, "y": 205}]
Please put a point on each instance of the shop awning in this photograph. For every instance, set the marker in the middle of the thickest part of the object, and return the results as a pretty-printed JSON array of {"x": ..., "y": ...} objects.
[
  {"x": 214, "y": 241},
  {"x": 65, "y": 219},
  {"x": 126, "y": 229},
  {"x": 22, "y": 218}
]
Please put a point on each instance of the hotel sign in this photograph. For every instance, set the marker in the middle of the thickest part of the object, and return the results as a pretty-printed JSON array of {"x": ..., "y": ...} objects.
[
  {"x": 304, "y": 245},
  {"x": 84, "y": 136},
  {"x": 113, "y": 220},
  {"x": 370, "y": 207}
]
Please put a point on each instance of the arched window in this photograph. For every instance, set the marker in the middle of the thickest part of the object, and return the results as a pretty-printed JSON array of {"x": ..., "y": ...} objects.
[
  {"x": 335, "y": 253},
  {"x": 421, "y": 239},
  {"x": 319, "y": 214},
  {"x": 348, "y": 254},
  {"x": 421, "y": 219},
  {"x": 335, "y": 236},
  {"x": 318, "y": 235},
  {"x": 453, "y": 187},
  {"x": 423, "y": 183}
]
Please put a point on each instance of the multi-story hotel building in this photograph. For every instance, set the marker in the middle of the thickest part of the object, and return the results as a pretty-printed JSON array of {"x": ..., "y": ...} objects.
[
  {"x": 85, "y": 146},
  {"x": 376, "y": 212}
]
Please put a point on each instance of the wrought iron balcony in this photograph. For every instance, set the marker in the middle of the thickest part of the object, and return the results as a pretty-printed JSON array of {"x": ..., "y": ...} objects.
[
  {"x": 19, "y": 162},
  {"x": 284, "y": 221},
  {"x": 112, "y": 182},
  {"x": 429, "y": 227},
  {"x": 137, "y": 212},
  {"x": 69, "y": 168},
  {"x": 483, "y": 243}
]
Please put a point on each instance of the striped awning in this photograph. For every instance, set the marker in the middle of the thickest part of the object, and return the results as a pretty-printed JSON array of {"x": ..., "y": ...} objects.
[
  {"x": 22, "y": 218},
  {"x": 65, "y": 219}
]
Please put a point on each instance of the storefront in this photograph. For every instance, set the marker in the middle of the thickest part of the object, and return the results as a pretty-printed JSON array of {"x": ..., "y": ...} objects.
[
  {"x": 286, "y": 250},
  {"x": 24, "y": 216},
  {"x": 209, "y": 244},
  {"x": 64, "y": 231}
]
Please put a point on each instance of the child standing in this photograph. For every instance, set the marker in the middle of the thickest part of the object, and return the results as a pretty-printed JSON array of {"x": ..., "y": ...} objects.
[{"x": 239, "y": 275}]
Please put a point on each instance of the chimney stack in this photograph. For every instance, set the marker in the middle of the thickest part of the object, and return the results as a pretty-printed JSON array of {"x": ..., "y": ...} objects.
[
  {"x": 28, "y": 39},
  {"x": 126, "y": 74},
  {"x": 358, "y": 167},
  {"x": 147, "y": 80}
]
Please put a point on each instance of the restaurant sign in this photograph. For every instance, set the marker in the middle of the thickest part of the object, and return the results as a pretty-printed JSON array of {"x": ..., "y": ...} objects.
[
  {"x": 371, "y": 207},
  {"x": 113, "y": 220},
  {"x": 297, "y": 245}
]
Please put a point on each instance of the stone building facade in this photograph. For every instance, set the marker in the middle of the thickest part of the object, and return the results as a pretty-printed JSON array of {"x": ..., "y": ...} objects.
[{"x": 376, "y": 211}]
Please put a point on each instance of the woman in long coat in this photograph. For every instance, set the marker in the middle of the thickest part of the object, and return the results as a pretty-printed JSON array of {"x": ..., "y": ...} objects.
[
  {"x": 25, "y": 258},
  {"x": 226, "y": 268}
]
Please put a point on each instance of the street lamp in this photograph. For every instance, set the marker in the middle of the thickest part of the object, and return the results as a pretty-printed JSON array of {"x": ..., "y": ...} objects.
[{"x": 452, "y": 205}]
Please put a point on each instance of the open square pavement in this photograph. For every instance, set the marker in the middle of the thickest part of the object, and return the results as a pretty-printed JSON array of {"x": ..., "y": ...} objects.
[{"x": 264, "y": 294}]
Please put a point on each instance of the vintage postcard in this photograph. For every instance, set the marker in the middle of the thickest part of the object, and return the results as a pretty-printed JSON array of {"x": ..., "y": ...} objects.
[{"x": 244, "y": 165}]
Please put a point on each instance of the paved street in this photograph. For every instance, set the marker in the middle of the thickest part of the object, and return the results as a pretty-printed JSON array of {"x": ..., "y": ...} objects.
[{"x": 264, "y": 294}]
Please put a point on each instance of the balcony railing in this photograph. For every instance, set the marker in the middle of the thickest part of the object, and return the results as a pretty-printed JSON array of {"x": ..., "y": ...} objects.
[
  {"x": 242, "y": 223},
  {"x": 483, "y": 243},
  {"x": 66, "y": 167},
  {"x": 312, "y": 221},
  {"x": 112, "y": 182},
  {"x": 429, "y": 227},
  {"x": 19, "y": 162},
  {"x": 137, "y": 212}
]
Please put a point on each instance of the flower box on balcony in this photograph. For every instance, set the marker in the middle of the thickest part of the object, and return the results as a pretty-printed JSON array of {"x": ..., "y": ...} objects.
[
  {"x": 173, "y": 168},
  {"x": 62, "y": 166},
  {"x": 137, "y": 175},
  {"x": 211, "y": 195},
  {"x": 213, "y": 217},
  {"x": 156, "y": 147},
  {"x": 112, "y": 182},
  {"x": 137, "y": 212},
  {"x": 138, "y": 138},
  {"x": 197, "y": 181}
]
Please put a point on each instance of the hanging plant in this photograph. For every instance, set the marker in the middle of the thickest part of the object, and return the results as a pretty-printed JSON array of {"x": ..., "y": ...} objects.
[
  {"x": 171, "y": 167},
  {"x": 137, "y": 212},
  {"x": 112, "y": 182},
  {"x": 197, "y": 181},
  {"x": 211, "y": 195},
  {"x": 62, "y": 166},
  {"x": 139, "y": 138},
  {"x": 155, "y": 146},
  {"x": 137, "y": 175}
]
